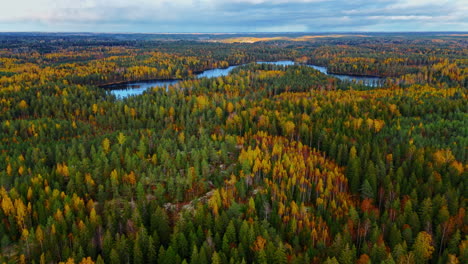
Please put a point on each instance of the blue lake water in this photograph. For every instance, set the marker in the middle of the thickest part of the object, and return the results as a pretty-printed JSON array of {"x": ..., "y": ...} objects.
[
  {"x": 216, "y": 72},
  {"x": 136, "y": 88},
  {"x": 367, "y": 80}
]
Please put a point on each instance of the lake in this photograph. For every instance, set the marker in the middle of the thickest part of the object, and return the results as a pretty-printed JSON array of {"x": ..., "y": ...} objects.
[{"x": 123, "y": 90}]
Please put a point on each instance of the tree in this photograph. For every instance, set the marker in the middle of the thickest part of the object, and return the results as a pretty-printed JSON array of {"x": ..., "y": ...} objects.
[
  {"x": 151, "y": 255},
  {"x": 364, "y": 259},
  {"x": 422, "y": 247},
  {"x": 366, "y": 190},
  {"x": 40, "y": 236},
  {"x": 160, "y": 223},
  {"x": 347, "y": 255},
  {"x": 170, "y": 256},
  {"x": 114, "y": 257},
  {"x": 371, "y": 177},
  {"x": 87, "y": 260},
  {"x": 262, "y": 258},
  {"x": 121, "y": 138},
  {"x": 137, "y": 253},
  {"x": 194, "y": 259},
  {"x": 289, "y": 127},
  {"x": 394, "y": 236},
  {"x": 22, "y": 104},
  {"x": 280, "y": 255},
  {"x": 331, "y": 261},
  {"x": 99, "y": 260},
  {"x": 230, "y": 107},
  {"x": 106, "y": 145},
  {"x": 259, "y": 244},
  {"x": 353, "y": 171},
  {"x": 215, "y": 259},
  {"x": 231, "y": 233}
]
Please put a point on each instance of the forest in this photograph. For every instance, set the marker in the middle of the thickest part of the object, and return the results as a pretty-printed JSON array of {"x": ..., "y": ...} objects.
[{"x": 269, "y": 164}]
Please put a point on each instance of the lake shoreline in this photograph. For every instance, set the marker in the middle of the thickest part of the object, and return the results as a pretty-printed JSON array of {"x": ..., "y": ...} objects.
[
  {"x": 108, "y": 86},
  {"x": 356, "y": 75},
  {"x": 194, "y": 73},
  {"x": 130, "y": 88}
]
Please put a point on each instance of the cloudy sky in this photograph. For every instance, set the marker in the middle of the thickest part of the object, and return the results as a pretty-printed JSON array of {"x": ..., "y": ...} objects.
[{"x": 234, "y": 15}]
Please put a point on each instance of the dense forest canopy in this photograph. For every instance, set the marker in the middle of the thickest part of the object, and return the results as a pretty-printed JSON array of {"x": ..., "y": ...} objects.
[{"x": 270, "y": 164}]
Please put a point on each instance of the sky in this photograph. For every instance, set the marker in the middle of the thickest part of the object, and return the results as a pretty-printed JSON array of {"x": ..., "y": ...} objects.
[{"x": 191, "y": 16}]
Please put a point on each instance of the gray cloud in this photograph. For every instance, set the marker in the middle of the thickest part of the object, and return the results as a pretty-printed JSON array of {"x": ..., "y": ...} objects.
[{"x": 234, "y": 15}]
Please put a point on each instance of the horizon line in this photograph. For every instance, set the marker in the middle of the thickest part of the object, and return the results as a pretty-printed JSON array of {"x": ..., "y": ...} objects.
[{"x": 221, "y": 33}]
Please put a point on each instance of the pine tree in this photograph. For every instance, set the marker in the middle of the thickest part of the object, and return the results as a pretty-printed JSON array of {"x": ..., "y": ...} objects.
[
  {"x": 161, "y": 255},
  {"x": 261, "y": 257},
  {"x": 231, "y": 233},
  {"x": 454, "y": 242},
  {"x": 203, "y": 254},
  {"x": 137, "y": 253},
  {"x": 353, "y": 171},
  {"x": 194, "y": 259},
  {"x": 280, "y": 255},
  {"x": 215, "y": 258},
  {"x": 378, "y": 253},
  {"x": 151, "y": 255},
  {"x": 99, "y": 260},
  {"x": 114, "y": 257},
  {"x": 160, "y": 223},
  {"x": 171, "y": 256},
  {"x": 366, "y": 190},
  {"x": 347, "y": 255},
  {"x": 331, "y": 261},
  {"x": 371, "y": 177},
  {"x": 394, "y": 236}
]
